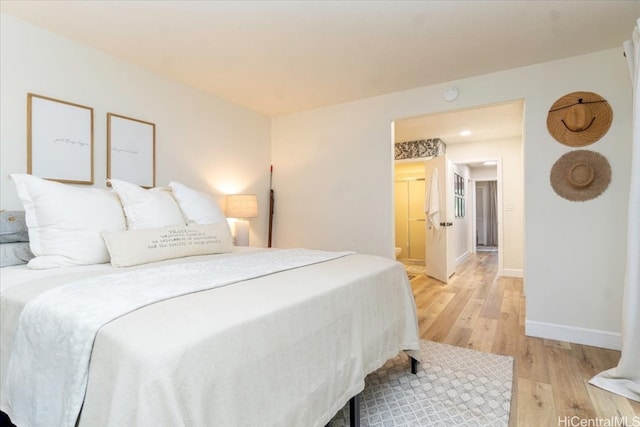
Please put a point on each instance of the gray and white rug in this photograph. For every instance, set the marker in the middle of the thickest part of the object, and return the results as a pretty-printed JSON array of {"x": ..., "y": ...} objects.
[{"x": 453, "y": 386}]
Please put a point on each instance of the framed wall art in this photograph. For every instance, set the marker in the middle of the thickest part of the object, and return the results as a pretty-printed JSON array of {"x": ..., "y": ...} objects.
[
  {"x": 59, "y": 140},
  {"x": 131, "y": 150},
  {"x": 459, "y": 208}
]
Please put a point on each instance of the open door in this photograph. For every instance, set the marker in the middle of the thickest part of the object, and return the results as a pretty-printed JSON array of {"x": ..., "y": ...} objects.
[{"x": 440, "y": 252}]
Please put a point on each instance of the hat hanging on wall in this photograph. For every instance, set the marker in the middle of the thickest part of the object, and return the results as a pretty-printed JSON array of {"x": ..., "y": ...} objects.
[
  {"x": 580, "y": 175},
  {"x": 579, "y": 118}
]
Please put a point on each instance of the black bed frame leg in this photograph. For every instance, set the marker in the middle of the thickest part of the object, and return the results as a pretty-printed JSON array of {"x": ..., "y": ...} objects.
[
  {"x": 354, "y": 402},
  {"x": 354, "y": 411},
  {"x": 414, "y": 365}
]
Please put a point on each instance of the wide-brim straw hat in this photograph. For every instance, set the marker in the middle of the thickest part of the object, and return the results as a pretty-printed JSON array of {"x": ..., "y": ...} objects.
[
  {"x": 580, "y": 175},
  {"x": 579, "y": 118}
]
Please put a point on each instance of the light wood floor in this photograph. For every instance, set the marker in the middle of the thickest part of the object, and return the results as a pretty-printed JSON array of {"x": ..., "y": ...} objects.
[{"x": 479, "y": 310}]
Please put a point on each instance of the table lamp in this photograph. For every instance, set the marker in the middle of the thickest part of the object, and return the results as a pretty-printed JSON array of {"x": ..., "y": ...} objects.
[{"x": 241, "y": 207}]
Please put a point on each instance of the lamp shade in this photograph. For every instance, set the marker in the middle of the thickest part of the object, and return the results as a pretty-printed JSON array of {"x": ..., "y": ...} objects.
[{"x": 241, "y": 206}]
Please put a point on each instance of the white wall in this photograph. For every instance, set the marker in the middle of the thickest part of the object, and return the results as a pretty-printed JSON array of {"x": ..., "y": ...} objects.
[
  {"x": 202, "y": 141},
  {"x": 333, "y": 182},
  {"x": 484, "y": 174}
]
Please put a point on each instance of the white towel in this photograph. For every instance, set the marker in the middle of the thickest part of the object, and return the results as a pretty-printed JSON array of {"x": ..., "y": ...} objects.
[{"x": 432, "y": 207}]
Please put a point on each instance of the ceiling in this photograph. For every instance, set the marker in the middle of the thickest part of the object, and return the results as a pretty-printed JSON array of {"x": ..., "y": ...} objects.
[
  {"x": 484, "y": 123},
  {"x": 276, "y": 57}
]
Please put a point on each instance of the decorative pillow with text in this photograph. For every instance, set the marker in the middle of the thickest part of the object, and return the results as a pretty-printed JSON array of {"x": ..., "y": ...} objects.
[{"x": 134, "y": 247}]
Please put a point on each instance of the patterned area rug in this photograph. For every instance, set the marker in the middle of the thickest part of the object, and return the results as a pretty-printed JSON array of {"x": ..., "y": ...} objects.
[{"x": 453, "y": 386}]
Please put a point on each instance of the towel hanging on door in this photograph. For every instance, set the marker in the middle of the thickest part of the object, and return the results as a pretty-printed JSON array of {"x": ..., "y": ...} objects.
[{"x": 432, "y": 206}]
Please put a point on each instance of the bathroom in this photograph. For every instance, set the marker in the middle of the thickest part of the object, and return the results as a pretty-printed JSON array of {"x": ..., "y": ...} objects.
[{"x": 409, "y": 190}]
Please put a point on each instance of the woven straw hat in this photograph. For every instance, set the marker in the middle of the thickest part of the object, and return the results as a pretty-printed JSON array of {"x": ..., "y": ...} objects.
[
  {"x": 580, "y": 175},
  {"x": 579, "y": 118}
]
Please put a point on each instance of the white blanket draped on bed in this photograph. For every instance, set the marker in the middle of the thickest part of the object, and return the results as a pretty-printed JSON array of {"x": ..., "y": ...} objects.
[{"x": 56, "y": 331}]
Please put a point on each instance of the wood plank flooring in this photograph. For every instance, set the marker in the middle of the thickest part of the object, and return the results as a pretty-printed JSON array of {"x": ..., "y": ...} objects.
[{"x": 482, "y": 311}]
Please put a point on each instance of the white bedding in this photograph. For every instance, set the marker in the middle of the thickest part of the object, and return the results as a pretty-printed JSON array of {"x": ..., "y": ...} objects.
[
  {"x": 284, "y": 349},
  {"x": 14, "y": 275}
]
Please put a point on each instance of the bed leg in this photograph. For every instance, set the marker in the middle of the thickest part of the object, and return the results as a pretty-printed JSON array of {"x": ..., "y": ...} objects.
[
  {"x": 414, "y": 365},
  {"x": 354, "y": 411}
]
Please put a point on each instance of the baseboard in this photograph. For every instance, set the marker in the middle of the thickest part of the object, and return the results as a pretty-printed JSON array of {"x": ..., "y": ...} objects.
[
  {"x": 512, "y": 272},
  {"x": 462, "y": 257},
  {"x": 573, "y": 334}
]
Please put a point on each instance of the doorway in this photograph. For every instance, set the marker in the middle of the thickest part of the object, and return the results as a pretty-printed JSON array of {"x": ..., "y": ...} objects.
[
  {"x": 474, "y": 137},
  {"x": 486, "y": 216},
  {"x": 409, "y": 190}
]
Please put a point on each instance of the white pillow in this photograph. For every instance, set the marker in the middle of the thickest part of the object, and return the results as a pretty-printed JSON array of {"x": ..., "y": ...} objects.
[
  {"x": 65, "y": 221},
  {"x": 197, "y": 207},
  {"x": 134, "y": 247},
  {"x": 152, "y": 208}
]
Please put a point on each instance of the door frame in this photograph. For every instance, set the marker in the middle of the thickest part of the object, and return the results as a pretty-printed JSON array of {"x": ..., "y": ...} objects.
[{"x": 463, "y": 160}]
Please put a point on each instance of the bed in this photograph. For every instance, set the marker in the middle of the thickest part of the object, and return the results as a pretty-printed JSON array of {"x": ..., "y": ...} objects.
[{"x": 287, "y": 347}]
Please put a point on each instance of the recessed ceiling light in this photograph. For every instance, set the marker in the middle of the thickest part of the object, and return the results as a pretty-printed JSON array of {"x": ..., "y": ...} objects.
[
  {"x": 490, "y": 163},
  {"x": 465, "y": 133}
]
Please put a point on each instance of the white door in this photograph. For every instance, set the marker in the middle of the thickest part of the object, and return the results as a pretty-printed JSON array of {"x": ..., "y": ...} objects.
[{"x": 440, "y": 252}]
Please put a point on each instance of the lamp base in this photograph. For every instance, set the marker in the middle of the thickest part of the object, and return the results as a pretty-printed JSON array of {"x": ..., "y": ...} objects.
[{"x": 241, "y": 228}]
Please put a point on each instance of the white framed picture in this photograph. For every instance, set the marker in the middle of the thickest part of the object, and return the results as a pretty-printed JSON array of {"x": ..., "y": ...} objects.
[
  {"x": 131, "y": 146},
  {"x": 59, "y": 140}
]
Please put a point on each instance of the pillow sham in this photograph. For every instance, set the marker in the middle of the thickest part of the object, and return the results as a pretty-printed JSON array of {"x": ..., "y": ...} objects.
[
  {"x": 13, "y": 227},
  {"x": 65, "y": 222},
  {"x": 151, "y": 208},
  {"x": 134, "y": 247},
  {"x": 197, "y": 207},
  {"x": 15, "y": 253}
]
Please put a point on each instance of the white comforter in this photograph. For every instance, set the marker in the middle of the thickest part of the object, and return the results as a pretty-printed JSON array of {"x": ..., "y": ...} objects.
[{"x": 286, "y": 349}]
